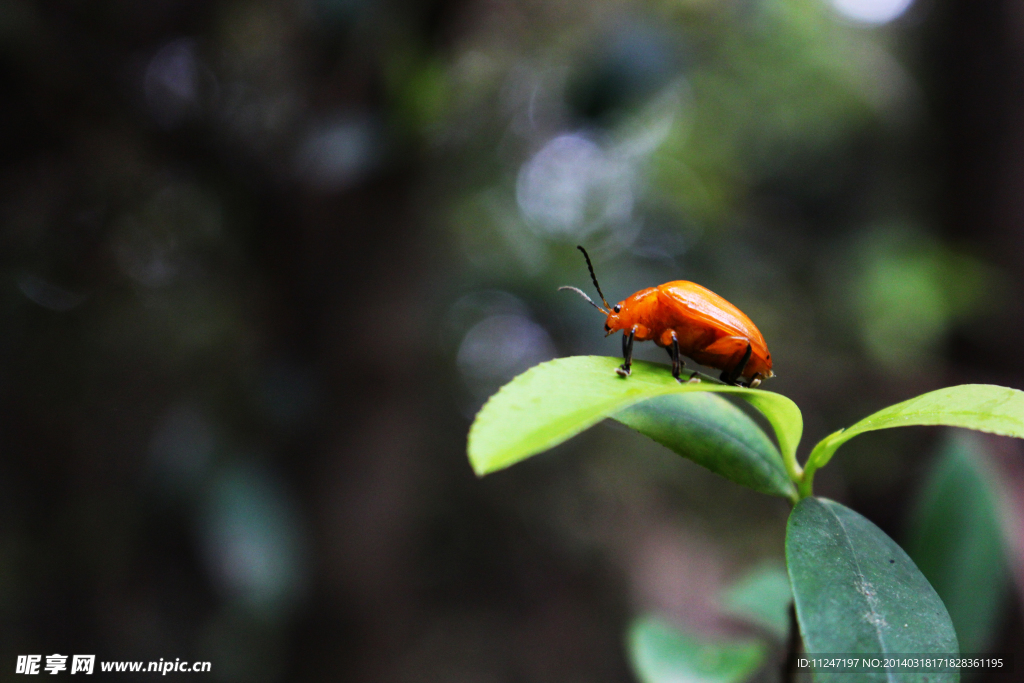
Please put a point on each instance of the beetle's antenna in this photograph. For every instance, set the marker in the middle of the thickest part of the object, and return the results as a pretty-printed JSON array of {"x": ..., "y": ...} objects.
[
  {"x": 589, "y": 300},
  {"x": 593, "y": 277}
]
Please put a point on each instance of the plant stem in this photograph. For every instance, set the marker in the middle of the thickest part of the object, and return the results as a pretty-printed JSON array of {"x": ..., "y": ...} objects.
[
  {"x": 806, "y": 485},
  {"x": 795, "y": 472},
  {"x": 820, "y": 455},
  {"x": 793, "y": 469}
]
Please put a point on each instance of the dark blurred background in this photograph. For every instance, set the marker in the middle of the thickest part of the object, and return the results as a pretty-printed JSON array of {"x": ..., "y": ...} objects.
[{"x": 263, "y": 260}]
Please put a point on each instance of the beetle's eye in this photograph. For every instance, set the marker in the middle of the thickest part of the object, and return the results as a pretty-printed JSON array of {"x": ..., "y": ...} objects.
[
  {"x": 616, "y": 308},
  {"x": 606, "y": 328}
]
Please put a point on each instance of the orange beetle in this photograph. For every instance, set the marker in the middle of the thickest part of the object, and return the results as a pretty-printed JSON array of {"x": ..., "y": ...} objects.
[{"x": 687, "y": 320}]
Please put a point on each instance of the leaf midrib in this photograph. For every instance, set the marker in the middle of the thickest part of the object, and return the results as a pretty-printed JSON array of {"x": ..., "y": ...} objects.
[{"x": 863, "y": 582}]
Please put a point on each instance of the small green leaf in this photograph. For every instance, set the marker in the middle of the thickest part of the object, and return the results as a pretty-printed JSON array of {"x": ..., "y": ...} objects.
[
  {"x": 955, "y": 538},
  {"x": 661, "y": 653},
  {"x": 984, "y": 407},
  {"x": 557, "y": 400},
  {"x": 762, "y": 597},
  {"x": 857, "y": 592},
  {"x": 715, "y": 434}
]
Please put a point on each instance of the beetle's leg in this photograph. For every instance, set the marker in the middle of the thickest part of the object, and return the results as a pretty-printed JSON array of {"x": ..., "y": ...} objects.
[
  {"x": 755, "y": 381},
  {"x": 673, "y": 353},
  {"x": 737, "y": 372},
  {"x": 677, "y": 362},
  {"x": 627, "y": 353}
]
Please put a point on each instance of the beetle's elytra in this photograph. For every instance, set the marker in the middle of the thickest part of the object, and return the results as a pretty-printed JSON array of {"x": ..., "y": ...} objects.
[{"x": 687, "y": 320}]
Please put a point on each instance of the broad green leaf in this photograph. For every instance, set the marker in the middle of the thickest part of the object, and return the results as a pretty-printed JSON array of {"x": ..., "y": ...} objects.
[
  {"x": 762, "y": 597},
  {"x": 857, "y": 592},
  {"x": 955, "y": 538},
  {"x": 557, "y": 400},
  {"x": 984, "y": 407},
  {"x": 661, "y": 653},
  {"x": 715, "y": 434}
]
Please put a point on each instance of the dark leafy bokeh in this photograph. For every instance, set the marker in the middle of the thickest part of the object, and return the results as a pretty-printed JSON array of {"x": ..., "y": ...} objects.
[
  {"x": 264, "y": 259},
  {"x": 955, "y": 540}
]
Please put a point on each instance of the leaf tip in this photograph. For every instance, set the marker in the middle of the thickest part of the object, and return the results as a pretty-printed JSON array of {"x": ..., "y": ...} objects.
[{"x": 479, "y": 465}]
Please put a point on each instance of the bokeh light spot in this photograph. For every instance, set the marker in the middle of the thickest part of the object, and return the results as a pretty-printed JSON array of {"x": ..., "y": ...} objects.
[
  {"x": 173, "y": 84},
  {"x": 253, "y": 540},
  {"x": 500, "y": 347},
  {"x": 872, "y": 11},
  {"x": 336, "y": 154},
  {"x": 572, "y": 187}
]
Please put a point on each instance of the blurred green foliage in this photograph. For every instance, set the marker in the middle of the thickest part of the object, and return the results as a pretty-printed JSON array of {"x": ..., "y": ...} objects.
[
  {"x": 763, "y": 597},
  {"x": 661, "y": 653},
  {"x": 907, "y": 292},
  {"x": 956, "y": 538}
]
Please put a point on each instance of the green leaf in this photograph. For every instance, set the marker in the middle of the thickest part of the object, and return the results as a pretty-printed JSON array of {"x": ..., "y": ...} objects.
[
  {"x": 715, "y": 434},
  {"x": 984, "y": 407},
  {"x": 661, "y": 653},
  {"x": 554, "y": 401},
  {"x": 857, "y": 592},
  {"x": 762, "y": 597},
  {"x": 956, "y": 540}
]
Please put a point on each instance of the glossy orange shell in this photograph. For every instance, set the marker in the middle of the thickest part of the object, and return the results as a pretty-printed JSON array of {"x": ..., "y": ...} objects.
[{"x": 710, "y": 330}]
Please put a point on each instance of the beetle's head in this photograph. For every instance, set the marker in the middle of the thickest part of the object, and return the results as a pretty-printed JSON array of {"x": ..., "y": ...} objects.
[{"x": 614, "y": 321}]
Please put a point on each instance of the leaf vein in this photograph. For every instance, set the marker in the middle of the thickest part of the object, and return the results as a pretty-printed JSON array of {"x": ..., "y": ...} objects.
[{"x": 864, "y": 588}]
